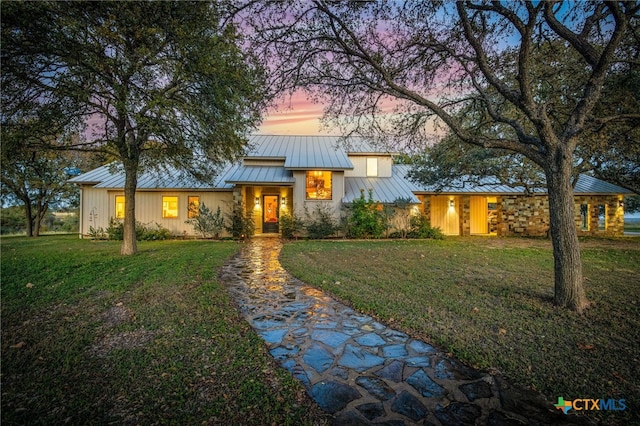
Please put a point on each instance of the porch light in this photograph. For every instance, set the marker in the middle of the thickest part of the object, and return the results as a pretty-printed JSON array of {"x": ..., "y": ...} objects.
[
  {"x": 452, "y": 203},
  {"x": 621, "y": 203},
  {"x": 257, "y": 202},
  {"x": 283, "y": 202}
]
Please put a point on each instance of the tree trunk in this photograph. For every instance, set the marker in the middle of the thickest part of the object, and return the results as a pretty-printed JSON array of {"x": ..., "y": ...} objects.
[
  {"x": 28, "y": 218},
  {"x": 41, "y": 211},
  {"x": 569, "y": 288},
  {"x": 129, "y": 244}
]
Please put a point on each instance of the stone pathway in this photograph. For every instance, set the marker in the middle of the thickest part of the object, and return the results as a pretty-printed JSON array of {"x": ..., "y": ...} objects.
[{"x": 358, "y": 369}]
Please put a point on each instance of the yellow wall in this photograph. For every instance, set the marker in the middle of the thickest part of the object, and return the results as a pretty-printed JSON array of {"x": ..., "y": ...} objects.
[{"x": 445, "y": 216}]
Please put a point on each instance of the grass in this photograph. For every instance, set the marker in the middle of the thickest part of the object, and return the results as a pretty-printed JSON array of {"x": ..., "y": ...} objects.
[
  {"x": 488, "y": 301},
  {"x": 92, "y": 337}
]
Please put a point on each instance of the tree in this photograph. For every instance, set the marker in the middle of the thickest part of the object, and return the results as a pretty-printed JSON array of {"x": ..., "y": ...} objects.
[
  {"x": 166, "y": 82},
  {"x": 33, "y": 177},
  {"x": 432, "y": 59}
]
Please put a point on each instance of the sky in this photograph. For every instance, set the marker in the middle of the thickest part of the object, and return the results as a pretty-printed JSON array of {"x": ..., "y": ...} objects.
[{"x": 294, "y": 115}]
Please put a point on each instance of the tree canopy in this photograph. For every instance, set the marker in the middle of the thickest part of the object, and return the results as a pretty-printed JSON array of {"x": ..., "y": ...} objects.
[
  {"x": 388, "y": 68},
  {"x": 159, "y": 83}
]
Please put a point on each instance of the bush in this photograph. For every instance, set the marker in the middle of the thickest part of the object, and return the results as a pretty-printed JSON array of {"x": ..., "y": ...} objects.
[
  {"x": 321, "y": 223},
  {"x": 291, "y": 225},
  {"x": 421, "y": 228},
  {"x": 98, "y": 233},
  {"x": 239, "y": 222},
  {"x": 365, "y": 220},
  {"x": 207, "y": 223},
  {"x": 143, "y": 232}
]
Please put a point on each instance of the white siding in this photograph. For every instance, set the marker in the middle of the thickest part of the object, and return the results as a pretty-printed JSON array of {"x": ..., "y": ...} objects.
[
  {"x": 98, "y": 207},
  {"x": 360, "y": 166},
  {"x": 300, "y": 197}
]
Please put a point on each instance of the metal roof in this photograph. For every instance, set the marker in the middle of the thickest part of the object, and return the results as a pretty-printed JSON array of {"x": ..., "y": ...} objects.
[
  {"x": 258, "y": 175},
  {"x": 586, "y": 185},
  {"x": 111, "y": 176},
  {"x": 309, "y": 152},
  {"x": 590, "y": 185},
  {"x": 385, "y": 190}
]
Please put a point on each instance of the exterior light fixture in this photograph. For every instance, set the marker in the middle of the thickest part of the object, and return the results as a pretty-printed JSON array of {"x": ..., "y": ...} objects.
[
  {"x": 621, "y": 203},
  {"x": 452, "y": 203},
  {"x": 283, "y": 202},
  {"x": 257, "y": 201}
]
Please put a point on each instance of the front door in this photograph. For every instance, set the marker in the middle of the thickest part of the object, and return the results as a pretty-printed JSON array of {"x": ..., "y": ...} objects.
[{"x": 270, "y": 214}]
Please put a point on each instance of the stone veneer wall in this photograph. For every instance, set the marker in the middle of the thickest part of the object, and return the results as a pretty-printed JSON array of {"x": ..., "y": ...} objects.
[
  {"x": 614, "y": 215},
  {"x": 523, "y": 215}
]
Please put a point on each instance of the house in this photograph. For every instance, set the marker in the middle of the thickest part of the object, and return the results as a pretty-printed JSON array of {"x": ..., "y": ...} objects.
[{"x": 283, "y": 173}]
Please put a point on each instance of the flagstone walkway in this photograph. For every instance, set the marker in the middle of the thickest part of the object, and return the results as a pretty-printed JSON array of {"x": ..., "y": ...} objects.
[{"x": 358, "y": 369}]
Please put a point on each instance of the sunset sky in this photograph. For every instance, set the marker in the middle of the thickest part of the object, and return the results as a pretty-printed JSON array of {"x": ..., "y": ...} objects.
[{"x": 294, "y": 115}]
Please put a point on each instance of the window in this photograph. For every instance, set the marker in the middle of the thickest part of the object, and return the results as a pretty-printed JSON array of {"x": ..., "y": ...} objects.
[
  {"x": 602, "y": 217},
  {"x": 584, "y": 217},
  {"x": 372, "y": 166},
  {"x": 169, "y": 207},
  {"x": 193, "y": 208},
  {"x": 119, "y": 206},
  {"x": 318, "y": 185}
]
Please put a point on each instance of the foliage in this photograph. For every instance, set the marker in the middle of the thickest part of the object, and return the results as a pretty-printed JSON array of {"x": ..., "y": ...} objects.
[
  {"x": 144, "y": 232},
  {"x": 632, "y": 204},
  {"x": 164, "y": 83},
  {"x": 291, "y": 225},
  {"x": 505, "y": 62},
  {"x": 154, "y": 335},
  {"x": 239, "y": 222},
  {"x": 399, "y": 216},
  {"x": 365, "y": 220},
  {"x": 453, "y": 163},
  {"x": 421, "y": 228},
  {"x": 320, "y": 223},
  {"x": 33, "y": 177},
  {"x": 207, "y": 223},
  {"x": 98, "y": 233},
  {"x": 12, "y": 220}
]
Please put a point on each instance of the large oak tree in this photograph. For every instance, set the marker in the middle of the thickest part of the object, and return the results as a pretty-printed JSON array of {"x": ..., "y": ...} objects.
[
  {"x": 164, "y": 83},
  {"x": 433, "y": 59}
]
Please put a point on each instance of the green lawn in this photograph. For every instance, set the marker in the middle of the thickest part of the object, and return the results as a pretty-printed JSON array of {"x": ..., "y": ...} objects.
[
  {"x": 488, "y": 301},
  {"x": 91, "y": 337}
]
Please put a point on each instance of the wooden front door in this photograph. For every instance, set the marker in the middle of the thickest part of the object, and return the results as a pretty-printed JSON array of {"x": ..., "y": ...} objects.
[{"x": 270, "y": 214}]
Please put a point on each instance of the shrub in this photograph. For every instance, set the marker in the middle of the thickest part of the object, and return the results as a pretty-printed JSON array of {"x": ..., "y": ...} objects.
[
  {"x": 207, "y": 223},
  {"x": 291, "y": 225},
  {"x": 116, "y": 230},
  {"x": 421, "y": 228},
  {"x": 320, "y": 223},
  {"x": 143, "y": 232},
  {"x": 365, "y": 220},
  {"x": 239, "y": 223},
  {"x": 98, "y": 233}
]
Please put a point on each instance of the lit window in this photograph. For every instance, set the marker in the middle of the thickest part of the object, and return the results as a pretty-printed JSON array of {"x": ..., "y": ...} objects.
[
  {"x": 119, "y": 206},
  {"x": 194, "y": 206},
  {"x": 318, "y": 185},
  {"x": 372, "y": 166},
  {"x": 169, "y": 207}
]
